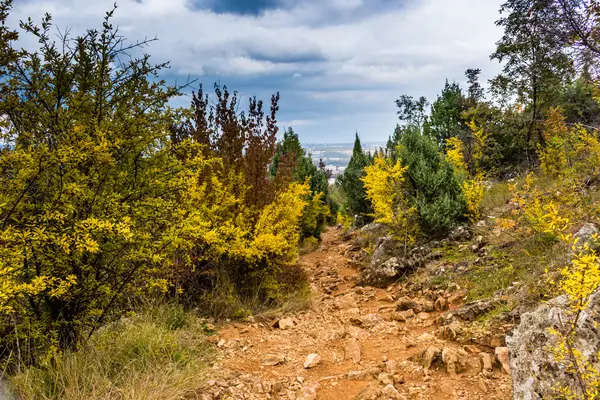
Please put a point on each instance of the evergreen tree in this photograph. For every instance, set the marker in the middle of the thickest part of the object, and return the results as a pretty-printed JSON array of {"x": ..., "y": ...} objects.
[
  {"x": 291, "y": 163},
  {"x": 432, "y": 186},
  {"x": 356, "y": 202},
  {"x": 475, "y": 90},
  {"x": 288, "y": 153},
  {"x": 446, "y": 114}
]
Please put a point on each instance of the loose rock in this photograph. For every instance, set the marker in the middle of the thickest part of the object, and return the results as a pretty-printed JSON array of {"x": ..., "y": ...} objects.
[
  {"x": 308, "y": 392},
  {"x": 352, "y": 351},
  {"x": 450, "y": 359},
  {"x": 385, "y": 379},
  {"x": 312, "y": 360},
  {"x": 284, "y": 323},
  {"x": 390, "y": 392},
  {"x": 486, "y": 364},
  {"x": 502, "y": 356},
  {"x": 402, "y": 316},
  {"x": 272, "y": 359}
]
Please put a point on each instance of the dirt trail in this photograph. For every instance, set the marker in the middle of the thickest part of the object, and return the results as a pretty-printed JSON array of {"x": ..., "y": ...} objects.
[{"x": 365, "y": 351}]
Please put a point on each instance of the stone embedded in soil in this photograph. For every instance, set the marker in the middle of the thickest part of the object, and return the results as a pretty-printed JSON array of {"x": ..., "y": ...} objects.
[
  {"x": 457, "y": 298},
  {"x": 423, "y": 316},
  {"x": 406, "y": 303},
  {"x": 272, "y": 359},
  {"x": 472, "y": 310},
  {"x": 308, "y": 392},
  {"x": 390, "y": 392},
  {"x": 498, "y": 340},
  {"x": 370, "y": 320},
  {"x": 450, "y": 359},
  {"x": 482, "y": 386},
  {"x": 441, "y": 304},
  {"x": 284, "y": 323},
  {"x": 360, "y": 375},
  {"x": 385, "y": 379},
  {"x": 502, "y": 356},
  {"x": 402, "y": 316},
  {"x": 450, "y": 332},
  {"x": 486, "y": 364},
  {"x": 391, "y": 367},
  {"x": 312, "y": 360},
  {"x": 426, "y": 337},
  {"x": 369, "y": 393},
  {"x": 430, "y": 355},
  {"x": 358, "y": 333},
  {"x": 352, "y": 351},
  {"x": 346, "y": 301}
]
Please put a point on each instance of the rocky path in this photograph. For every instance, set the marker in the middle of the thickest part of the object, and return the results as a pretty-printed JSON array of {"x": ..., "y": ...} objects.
[{"x": 353, "y": 343}]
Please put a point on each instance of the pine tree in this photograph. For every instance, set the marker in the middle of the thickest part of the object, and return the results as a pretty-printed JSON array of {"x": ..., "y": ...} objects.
[
  {"x": 356, "y": 202},
  {"x": 446, "y": 114}
]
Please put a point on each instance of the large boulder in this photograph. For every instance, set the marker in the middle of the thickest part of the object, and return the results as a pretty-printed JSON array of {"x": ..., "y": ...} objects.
[
  {"x": 534, "y": 370},
  {"x": 389, "y": 261},
  {"x": 373, "y": 228},
  {"x": 471, "y": 311},
  {"x": 386, "y": 248}
]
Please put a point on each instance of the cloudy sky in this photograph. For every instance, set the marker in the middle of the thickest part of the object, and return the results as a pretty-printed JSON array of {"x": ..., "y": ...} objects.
[{"x": 338, "y": 64}]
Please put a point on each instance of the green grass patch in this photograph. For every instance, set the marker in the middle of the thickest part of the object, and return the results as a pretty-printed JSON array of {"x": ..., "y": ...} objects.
[
  {"x": 496, "y": 196},
  {"x": 439, "y": 281},
  {"x": 490, "y": 316},
  {"x": 484, "y": 281}
]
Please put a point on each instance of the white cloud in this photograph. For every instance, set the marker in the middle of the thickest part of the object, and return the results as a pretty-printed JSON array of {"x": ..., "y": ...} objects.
[{"x": 411, "y": 49}]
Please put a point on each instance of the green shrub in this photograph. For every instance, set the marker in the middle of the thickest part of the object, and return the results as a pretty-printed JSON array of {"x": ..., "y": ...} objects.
[{"x": 432, "y": 186}]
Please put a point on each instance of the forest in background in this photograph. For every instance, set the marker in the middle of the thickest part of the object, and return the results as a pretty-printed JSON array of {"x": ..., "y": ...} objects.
[{"x": 111, "y": 200}]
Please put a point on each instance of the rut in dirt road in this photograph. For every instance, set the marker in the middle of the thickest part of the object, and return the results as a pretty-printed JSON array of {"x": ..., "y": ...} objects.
[{"x": 353, "y": 343}]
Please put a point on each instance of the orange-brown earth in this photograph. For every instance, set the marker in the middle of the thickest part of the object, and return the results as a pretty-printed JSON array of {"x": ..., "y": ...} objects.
[{"x": 366, "y": 351}]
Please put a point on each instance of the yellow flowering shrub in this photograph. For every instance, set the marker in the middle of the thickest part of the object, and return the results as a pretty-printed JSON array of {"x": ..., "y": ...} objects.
[
  {"x": 277, "y": 229},
  {"x": 384, "y": 185},
  {"x": 454, "y": 153},
  {"x": 344, "y": 220},
  {"x": 580, "y": 279},
  {"x": 480, "y": 138},
  {"x": 571, "y": 153},
  {"x": 474, "y": 190}
]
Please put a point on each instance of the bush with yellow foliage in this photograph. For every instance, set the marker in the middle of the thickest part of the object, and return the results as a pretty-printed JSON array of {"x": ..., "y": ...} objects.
[
  {"x": 473, "y": 188},
  {"x": 103, "y": 202},
  {"x": 548, "y": 204},
  {"x": 384, "y": 185}
]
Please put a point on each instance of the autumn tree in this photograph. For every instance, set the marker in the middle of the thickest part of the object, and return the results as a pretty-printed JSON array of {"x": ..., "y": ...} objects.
[
  {"x": 535, "y": 63},
  {"x": 107, "y": 195},
  {"x": 245, "y": 141}
]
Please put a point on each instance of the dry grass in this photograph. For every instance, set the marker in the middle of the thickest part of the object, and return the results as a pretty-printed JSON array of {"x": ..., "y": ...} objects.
[{"x": 158, "y": 354}]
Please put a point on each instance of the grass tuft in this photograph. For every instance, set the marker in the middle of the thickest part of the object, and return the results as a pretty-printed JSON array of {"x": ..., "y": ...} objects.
[{"x": 158, "y": 354}]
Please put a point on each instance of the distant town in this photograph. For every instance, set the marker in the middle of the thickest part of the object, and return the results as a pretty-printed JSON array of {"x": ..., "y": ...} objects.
[{"x": 337, "y": 155}]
